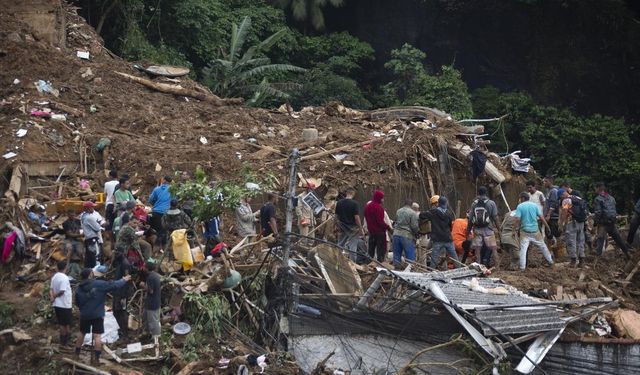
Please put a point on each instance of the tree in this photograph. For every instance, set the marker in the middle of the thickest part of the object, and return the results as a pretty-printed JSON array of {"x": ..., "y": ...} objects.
[
  {"x": 309, "y": 10},
  {"x": 321, "y": 85},
  {"x": 246, "y": 74},
  {"x": 412, "y": 85}
]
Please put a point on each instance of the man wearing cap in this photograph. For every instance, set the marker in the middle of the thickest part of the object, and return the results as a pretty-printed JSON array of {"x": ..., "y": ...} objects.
[
  {"x": 175, "y": 219},
  {"x": 441, "y": 224},
  {"x": 160, "y": 199},
  {"x": 526, "y": 219},
  {"x": 90, "y": 298},
  {"x": 92, "y": 230},
  {"x": 152, "y": 301}
]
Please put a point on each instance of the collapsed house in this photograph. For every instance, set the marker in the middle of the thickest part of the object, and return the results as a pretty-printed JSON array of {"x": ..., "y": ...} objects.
[{"x": 64, "y": 127}]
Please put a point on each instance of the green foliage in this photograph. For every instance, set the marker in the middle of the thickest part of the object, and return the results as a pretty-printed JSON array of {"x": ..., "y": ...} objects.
[
  {"x": 342, "y": 53},
  {"x": 244, "y": 73},
  {"x": 581, "y": 150},
  {"x": 6, "y": 315},
  {"x": 322, "y": 85},
  {"x": 412, "y": 85},
  {"x": 309, "y": 11},
  {"x": 205, "y": 194},
  {"x": 44, "y": 309},
  {"x": 206, "y": 313}
]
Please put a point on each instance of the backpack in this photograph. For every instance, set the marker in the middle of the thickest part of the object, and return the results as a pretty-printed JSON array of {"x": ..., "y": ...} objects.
[
  {"x": 578, "y": 209},
  {"x": 480, "y": 215},
  {"x": 609, "y": 212}
]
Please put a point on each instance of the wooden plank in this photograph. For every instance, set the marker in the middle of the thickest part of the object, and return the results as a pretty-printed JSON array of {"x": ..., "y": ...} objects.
[
  {"x": 559, "y": 290},
  {"x": 91, "y": 369}
]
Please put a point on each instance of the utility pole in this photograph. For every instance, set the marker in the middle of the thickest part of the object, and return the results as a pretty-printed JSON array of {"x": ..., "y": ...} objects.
[{"x": 294, "y": 159}]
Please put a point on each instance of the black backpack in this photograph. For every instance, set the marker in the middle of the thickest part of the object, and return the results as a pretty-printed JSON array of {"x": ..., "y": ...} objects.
[
  {"x": 578, "y": 209},
  {"x": 480, "y": 214}
]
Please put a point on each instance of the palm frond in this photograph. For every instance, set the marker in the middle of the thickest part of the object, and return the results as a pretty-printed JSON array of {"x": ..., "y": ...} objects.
[
  {"x": 272, "y": 68},
  {"x": 272, "y": 39},
  {"x": 299, "y": 9},
  {"x": 238, "y": 36}
]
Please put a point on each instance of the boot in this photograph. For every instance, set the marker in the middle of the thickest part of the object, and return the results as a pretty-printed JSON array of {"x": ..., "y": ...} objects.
[{"x": 573, "y": 263}]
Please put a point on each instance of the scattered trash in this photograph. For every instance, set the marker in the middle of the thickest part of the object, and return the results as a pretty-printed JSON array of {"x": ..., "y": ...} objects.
[
  {"x": 93, "y": 108},
  {"x": 349, "y": 162},
  {"x": 601, "y": 326},
  {"x": 340, "y": 157},
  {"x": 9, "y": 155},
  {"x": 181, "y": 328},
  {"x": 252, "y": 186},
  {"x": 239, "y": 155},
  {"x": 102, "y": 143},
  {"x": 252, "y": 140},
  {"x": 83, "y": 55},
  {"x": 46, "y": 87},
  {"x": 203, "y": 140},
  {"x": 58, "y": 117},
  {"x": 135, "y": 347},
  {"x": 21, "y": 133},
  {"x": 16, "y": 81},
  {"x": 110, "y": 334},
  {"x": 158, "y": 167},
  {"x": 236, "y": 135},
  {"x": 308, "y": 310},
  {"x": 41, "y": 114}
]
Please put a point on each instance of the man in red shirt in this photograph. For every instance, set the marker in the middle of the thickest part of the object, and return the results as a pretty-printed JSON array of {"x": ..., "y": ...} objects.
[{"x": 374, "y": 215}]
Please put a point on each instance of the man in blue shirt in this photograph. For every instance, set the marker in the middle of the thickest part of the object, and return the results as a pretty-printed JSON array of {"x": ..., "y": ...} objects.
[
  {"x": 527, "y": 215},
  {"x": 160, "y": 199},
  {"x": 90, "y": 298}
]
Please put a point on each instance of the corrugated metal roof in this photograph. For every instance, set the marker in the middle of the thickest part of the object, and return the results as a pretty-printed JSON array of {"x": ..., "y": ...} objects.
[{"x": 455, "y": 285}]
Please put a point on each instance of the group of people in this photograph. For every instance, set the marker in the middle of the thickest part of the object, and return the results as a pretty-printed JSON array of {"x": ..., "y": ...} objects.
[
  {"x": 90, "y": 297},
  {"x": 539, "y": 219}
]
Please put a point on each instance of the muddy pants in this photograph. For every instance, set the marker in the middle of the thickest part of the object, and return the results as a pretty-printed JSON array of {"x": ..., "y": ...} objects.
[
  {"x": 610, "y": 229},
  {"x": 349, "y": 240},
  {"x": 437, "y": 249},
  {"x": 535, "y": 238},
  {"x": 575, "y": 240},
  {"x": 514, "y": 254}
]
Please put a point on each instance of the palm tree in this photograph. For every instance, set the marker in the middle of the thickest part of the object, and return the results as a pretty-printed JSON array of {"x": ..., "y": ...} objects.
[
  {"x": 309, "y": 10},
  {"x": 244, "y": 74}
]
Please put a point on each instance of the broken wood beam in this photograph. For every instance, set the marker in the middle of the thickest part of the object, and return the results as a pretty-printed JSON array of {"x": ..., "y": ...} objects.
[
  {"x": 334, "y": 150},
  {"x": 181, "y": 91},
  {"x": 91, "y": 369}
]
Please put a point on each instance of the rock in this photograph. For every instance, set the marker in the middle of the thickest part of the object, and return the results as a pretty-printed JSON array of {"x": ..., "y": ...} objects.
[
  {"x": 97, "y": 80},
  {"x": 29, "y": 38},
  {"x": 310, "y": 134},
  {"x": 14, "y": 37},
  {"x": 86, "y": 72},
  {"x": 284, "y": 133},
  {"x": 271, "y": 135}
]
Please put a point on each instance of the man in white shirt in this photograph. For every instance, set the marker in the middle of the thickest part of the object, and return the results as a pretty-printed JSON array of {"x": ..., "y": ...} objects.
[
  {"x": 61, "y": 295},
  {"x": 109, "y": 208},
  {"x": 92, "y": 225},
  {"x": 535, "y": 195}
]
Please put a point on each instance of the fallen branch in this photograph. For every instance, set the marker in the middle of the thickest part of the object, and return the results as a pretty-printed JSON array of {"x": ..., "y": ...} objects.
[
  {"x": 181, "y": 91},
  {"x": 188, "y": 369}
]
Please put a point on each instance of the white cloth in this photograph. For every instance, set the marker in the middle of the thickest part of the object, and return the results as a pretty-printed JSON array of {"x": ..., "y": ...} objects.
[
  {"x": 109, "y": 189},
  {"x": 110, "y": 334},
  {"x": 60, "y": 282}
]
